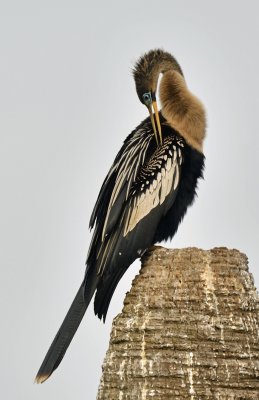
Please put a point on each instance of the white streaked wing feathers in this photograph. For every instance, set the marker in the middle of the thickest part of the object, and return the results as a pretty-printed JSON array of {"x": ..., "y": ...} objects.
[
  {"x": 131, "y": 160},
  {"x": 155, "y": 181},
  {"x": 154, "y": 195}
]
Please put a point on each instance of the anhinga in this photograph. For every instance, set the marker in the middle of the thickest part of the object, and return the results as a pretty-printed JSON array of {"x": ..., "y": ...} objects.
[{"x": 146, "y": 193}]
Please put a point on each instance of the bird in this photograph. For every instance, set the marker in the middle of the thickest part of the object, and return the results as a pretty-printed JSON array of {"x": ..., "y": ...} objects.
[{"x": 146, "y": 193}]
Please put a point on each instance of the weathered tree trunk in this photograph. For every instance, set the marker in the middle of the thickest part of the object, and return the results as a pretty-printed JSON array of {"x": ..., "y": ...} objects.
[{"x": 188, "y": 330}]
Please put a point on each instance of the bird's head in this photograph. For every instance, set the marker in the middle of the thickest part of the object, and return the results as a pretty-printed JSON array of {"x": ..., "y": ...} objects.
[{"x": 146, "y": 73}]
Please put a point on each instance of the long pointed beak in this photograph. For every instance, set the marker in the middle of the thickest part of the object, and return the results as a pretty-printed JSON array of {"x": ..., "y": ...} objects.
[
  {"x": 154, "y": 103},
  {"x": 155, "y": 122}
]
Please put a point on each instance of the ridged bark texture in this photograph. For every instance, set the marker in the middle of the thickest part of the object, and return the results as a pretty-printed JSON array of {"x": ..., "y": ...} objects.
[{"x": 188, "y": 330}]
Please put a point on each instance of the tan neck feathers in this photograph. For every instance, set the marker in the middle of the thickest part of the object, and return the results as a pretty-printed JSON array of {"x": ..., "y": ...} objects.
[{"x": 182, "y": 110}]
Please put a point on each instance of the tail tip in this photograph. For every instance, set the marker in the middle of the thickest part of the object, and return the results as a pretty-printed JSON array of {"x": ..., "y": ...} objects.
[{"x": 40, "y": 378}]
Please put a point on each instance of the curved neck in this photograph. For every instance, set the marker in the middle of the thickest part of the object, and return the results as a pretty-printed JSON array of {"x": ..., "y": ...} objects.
[
  {"x": 166, "y": 64},
  {"x": 169, "y": 63},
  {"x": 183, "y": 111}
]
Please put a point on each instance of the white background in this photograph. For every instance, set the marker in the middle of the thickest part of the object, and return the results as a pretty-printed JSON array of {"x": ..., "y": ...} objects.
[{"x": 67, "y": 101}]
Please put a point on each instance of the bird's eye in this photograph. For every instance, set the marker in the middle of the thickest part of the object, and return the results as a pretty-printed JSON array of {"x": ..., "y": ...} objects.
[{"x": 147, "y": 98}]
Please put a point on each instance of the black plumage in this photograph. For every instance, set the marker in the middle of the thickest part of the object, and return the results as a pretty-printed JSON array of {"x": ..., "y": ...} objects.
[{"x": 144, "y": 196}]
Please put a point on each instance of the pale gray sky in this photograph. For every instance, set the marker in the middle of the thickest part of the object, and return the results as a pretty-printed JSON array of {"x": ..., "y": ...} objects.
[{"x": 67, "y": 101}]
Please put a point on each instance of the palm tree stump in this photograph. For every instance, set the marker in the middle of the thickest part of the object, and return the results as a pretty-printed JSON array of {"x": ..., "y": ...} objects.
[{"x": 188, "y": 330}]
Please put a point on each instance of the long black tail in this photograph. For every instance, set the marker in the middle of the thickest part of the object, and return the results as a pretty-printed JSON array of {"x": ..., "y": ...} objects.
[{"x": 66, "y": 332}]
